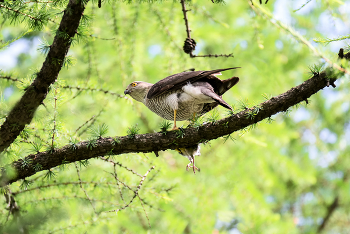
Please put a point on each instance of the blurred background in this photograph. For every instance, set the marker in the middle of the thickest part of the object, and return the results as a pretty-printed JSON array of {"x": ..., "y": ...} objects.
[{"x": 288, "y": 175}]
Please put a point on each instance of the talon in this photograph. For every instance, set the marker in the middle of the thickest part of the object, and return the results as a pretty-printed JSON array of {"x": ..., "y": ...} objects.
[{"x": 194, "y": 167}]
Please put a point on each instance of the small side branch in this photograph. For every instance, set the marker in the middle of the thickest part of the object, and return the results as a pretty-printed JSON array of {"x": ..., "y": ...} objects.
[
  {"x": 12, "y": 205},
  {"x": 188, "y": 30},
  {"x": 330, "y": 210},
  {"x": 24, "y": 14},
  {"x": 136, "y": 191},
  {"x": 21, "y": 13},
  {"x": 9, "y": 78},
  {"x": 190, "y": 43},
  {"x": 81, "y": 186}
]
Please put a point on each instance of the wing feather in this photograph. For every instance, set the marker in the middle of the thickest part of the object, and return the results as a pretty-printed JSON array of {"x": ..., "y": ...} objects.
[{"x": 178, "y": 80}]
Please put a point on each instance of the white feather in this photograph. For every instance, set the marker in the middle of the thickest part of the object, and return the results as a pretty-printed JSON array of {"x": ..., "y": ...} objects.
[
  {"x": 195, "y": 92},
  {"x": 172, "y": 101}
]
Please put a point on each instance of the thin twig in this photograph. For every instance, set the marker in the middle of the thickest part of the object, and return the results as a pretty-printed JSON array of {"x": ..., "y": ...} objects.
[
  {"x": 101, "y": 38},
  {"x": 54, "y": 121},
  {"x": 81, "y": 186},
  {"x": 188, "y": 30},
  {"x": 65, "y": 183},
  {"x": 24, "y": 14},
  {"x": 93, "y": 90},
  {"x": 69, "y": 197},
  {"x": 167, "y": 31},
  {"x": 10, "y": 78},
  {"x": 190, "y": 43},
  {"x": 119, "y": 189},
  {"x": 120, "y": 165},
  {"x": 213, "y": 55},
  {"x": 136, "y": 192},
  {"x": 92, "y": 120},
  {"x": 295, "y": 34},
  {"x": 12, "y": 205},
  {"x": 149, "y": 224},
  {"x": 17, "y": 11},
  {"x": 37, "y": 2}
]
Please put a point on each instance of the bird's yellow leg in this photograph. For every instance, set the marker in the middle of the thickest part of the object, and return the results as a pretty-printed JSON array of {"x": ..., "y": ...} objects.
[{"x": 175, "y": 128}]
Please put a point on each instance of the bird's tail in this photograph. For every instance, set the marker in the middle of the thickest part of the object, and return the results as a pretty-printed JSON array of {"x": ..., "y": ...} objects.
[{"x": 227, "y": 84}]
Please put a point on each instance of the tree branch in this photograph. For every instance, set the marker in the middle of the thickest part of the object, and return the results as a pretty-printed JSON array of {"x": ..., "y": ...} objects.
[
  {"x": 190, "y": 43},
  {"x": 158, "y": 141},
  {"x": 330, "y": 210},
  {"x": 24, "y": 110}
]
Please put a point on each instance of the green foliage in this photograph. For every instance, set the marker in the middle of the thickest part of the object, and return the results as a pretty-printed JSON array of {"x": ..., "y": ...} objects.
[
  {"x": 329, "y": 40},
  {"x": 228, "y": 137},
  {"x": 26, "y": 162},
  {"x": 231, "y": 112},
  {"x": 252, "y": 113},
  {"x": 50, "y": 175},
  {"x": 98, "y": 131},
  {"x": 73, "y": 143},
  {"x": 4, "y": 45},
  {"x": 25, "y": 184},
  {"x": 316, "y": 69},
  {"x": 37, "y": 167},
  {"x": 164, "y": 126},
  {"x": 44, "y": 47},
  {"x": 91, "y": 143},
  {"x": 243, "y": 104},
  {"x": 37, "y": 146},
  {"x": 116, "y": 141},
  {"x": 277, "y": 176},
  {"x": 133, "y": 131},
  {"x": 213, "y": 116},
  {"x": 196, "y": 122},
  {"x": 84, "y": 163},
  {"x": 180, "y": 133},
  {"x": 266, "y": 96}
]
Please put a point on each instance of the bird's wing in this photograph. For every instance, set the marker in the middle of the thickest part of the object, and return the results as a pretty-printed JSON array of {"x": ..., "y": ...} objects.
[{"x": 178, "y": 80}]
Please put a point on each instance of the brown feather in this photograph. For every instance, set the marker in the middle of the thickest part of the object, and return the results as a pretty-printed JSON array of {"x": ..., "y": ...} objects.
[{"x": 178, "y": 80}]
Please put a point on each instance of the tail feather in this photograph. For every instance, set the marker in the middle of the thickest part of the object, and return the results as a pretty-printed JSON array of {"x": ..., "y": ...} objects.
[
  {"x": 227, "y": 84},
  {"x": 216, "y": 97}
]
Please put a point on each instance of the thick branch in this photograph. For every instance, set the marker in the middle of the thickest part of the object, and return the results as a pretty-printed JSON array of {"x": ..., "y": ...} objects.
[
  {"x": 330, "y": 210},
  {"x": 158, "y": 141},
  {"x": 24, "y": 110}
]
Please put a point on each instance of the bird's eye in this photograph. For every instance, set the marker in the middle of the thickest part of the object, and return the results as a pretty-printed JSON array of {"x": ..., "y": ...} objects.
[{"x": 133, "y": 84}]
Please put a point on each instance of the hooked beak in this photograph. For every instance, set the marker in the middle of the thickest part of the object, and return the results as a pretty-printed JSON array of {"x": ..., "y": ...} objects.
[{"x": 126, "y": 91}]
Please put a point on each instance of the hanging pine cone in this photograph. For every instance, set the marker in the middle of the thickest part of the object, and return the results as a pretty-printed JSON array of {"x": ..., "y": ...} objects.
[{"x": 189, "y": 46}]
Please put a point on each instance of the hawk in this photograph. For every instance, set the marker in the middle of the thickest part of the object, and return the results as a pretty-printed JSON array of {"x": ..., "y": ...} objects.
[{"x": 184, "y": 95}]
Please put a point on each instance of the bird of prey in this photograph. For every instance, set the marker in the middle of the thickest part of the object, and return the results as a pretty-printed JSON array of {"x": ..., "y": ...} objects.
[
  {"x": 184, "y": 95},
  {"x": 190, "y": 152}
]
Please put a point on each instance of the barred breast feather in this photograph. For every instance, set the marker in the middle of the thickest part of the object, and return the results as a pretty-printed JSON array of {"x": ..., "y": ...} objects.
[{"x": 185, "y": 110}]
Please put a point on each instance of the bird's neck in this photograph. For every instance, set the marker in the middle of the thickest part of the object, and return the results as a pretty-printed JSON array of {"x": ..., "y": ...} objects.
[{"x": 141, "y": 95}]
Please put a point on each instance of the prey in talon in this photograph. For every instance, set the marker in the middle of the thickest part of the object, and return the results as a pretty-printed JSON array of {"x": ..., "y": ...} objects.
[
  {"x": 184, "y": 96},
  {"x": 190, "y": 153}
]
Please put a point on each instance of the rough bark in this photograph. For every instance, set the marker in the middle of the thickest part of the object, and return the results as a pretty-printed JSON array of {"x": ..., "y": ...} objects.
[
  {"x": 171, "y": 140},
  {"x": 22, "y": 113}
]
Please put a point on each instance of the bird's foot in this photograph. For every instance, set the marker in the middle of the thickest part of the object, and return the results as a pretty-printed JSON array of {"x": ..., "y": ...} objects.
[
  {"x": 192, "y": 166},
  {"x": 175, "y": 128}
]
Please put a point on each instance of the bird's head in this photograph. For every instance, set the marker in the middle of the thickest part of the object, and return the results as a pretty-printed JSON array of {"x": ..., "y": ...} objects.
[{"x": 138, "y": 90}]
